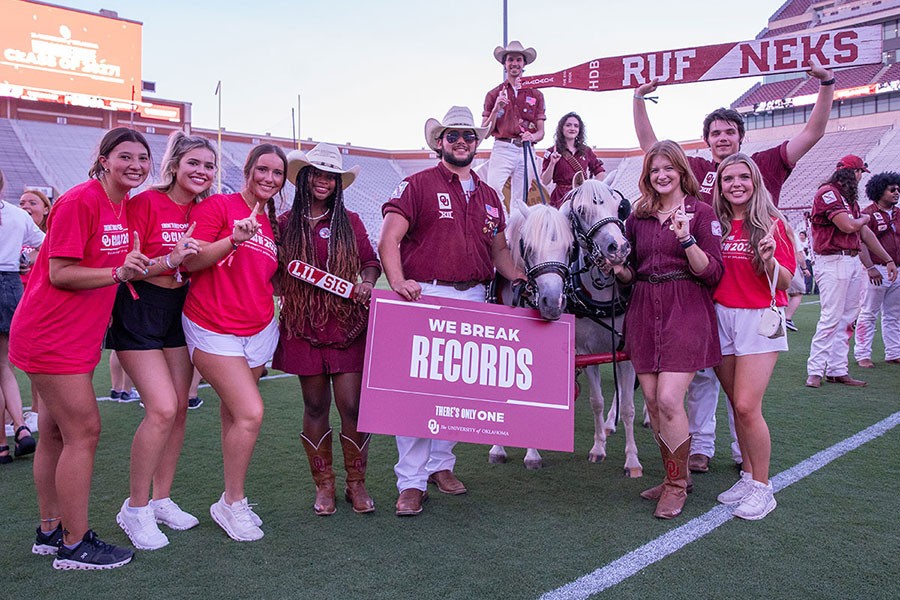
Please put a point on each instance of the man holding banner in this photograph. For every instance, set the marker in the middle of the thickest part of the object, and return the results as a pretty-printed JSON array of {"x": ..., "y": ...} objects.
[
  {"x": 442, "y": 236},
  {"x": 723, "y": 132},
  {"x": 514, "y": 115}
]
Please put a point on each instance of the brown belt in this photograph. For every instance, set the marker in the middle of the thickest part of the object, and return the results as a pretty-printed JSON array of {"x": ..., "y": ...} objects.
[
  {"x": 664, "y": 277},
  {"x": 842, "y": 252},
  {"x": 515, "y": 141},
  {"x": 460, "y": 286}
]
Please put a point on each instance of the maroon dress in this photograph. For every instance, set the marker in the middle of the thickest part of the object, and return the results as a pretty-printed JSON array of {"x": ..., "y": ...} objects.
[
  {"x": 331, "y": 348},
  {"x": 670, "y": 325},
  {"x": 565, "y": 170}
]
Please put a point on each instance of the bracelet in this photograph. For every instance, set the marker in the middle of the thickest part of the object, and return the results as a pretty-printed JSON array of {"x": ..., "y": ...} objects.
[
  {"x": 372, "y": 283},
  {"x": 690, "y": 241},
  {"x": 234, "y": 244},
  {"x": 168, "y": 264},
  {"x": 870, "y": 268},
  {"x": 829, "y": 82},
  {"x": 115, "y": 275}
]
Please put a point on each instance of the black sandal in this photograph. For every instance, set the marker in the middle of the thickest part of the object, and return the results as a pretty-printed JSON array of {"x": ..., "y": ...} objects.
[
  {"x": 26, "y": 445},
  {"x": 5, "y": 459}
]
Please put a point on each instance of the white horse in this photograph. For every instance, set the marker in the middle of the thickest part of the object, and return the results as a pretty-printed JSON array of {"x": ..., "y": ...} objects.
[
  {"x": 597, "y": 214},
  {"x": 540, "y": 240}
]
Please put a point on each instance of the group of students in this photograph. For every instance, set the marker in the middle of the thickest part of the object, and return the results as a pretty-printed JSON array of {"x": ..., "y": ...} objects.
[{"x": 109, "y": 259}]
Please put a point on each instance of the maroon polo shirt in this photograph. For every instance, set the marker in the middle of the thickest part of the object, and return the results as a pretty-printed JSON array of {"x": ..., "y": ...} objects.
[
  {"x": 448, "y": 238},
  {"x": 524, "y": 110},
  {"x": 886, "y": 227},
  {"x": 827, "y": 238},
  {"x": 773, "y": 165}
]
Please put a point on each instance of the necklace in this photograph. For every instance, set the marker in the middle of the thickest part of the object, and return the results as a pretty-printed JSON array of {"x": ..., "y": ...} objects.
[
  {"x": 184, "y": 208},
  {"x": 670, "y": 211},
  {"x": 322, "y": 216},
  {"x": 113, "y": 206}
]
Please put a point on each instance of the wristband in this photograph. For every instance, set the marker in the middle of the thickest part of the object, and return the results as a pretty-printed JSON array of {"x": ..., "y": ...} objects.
[
  {"x": 170, "y": 265},
  {"x": 870, "y": 268},
  {"x": 115, "y": 275},
  {"x": 690, "y": 241},
  {"x": 372, "y": 283},
  {"x": 234, "y": 244},
  {"x": 829, "y": 82}
]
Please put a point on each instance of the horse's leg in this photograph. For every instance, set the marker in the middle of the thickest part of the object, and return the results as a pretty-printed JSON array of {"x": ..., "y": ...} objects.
[
  {"x": 497, "y": 455},
  {"x": 626, "y": 376},
  {"x": 598, "y": 450},
  {"x": 610, "y": 423},
  {"x": 533, "y": 460},
  {"x": 646, "y": 415}
]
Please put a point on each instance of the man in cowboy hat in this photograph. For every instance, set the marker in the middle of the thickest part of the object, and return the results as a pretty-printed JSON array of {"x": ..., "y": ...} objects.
[
  {"x": 442, "y": 236},
  {"x": 513, "y": 115}
]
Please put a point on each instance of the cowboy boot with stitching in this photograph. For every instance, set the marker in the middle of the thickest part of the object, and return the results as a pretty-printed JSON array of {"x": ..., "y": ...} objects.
[
  {"x": 674, "y": 491},
  {"x": 656, "y": 491},
  {"x": 319, "y": 456},
  {"x": 356, "y": 457}
]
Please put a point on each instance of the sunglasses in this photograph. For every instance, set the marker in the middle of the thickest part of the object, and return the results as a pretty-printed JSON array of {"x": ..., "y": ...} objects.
[{"x": 453, "y": 136}]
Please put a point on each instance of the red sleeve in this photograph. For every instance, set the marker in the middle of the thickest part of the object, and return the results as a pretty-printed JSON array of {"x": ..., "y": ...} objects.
[
  {"x": 708, "y": 233},
  {"x": 830, "y": 203},
  {"x": 594, "y": 164},
  {"x": 784, "y": 249},
  {"x": 210, "y": 216},
  {"x": 402, "y": 202},
  {"x": 540, "y": 110},
  {"x": 76, "y": 222},
  {"x": 489, "y": 101},
  {"x": 546, "y": 162}
]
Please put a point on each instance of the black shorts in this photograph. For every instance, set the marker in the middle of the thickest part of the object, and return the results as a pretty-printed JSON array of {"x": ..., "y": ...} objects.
[
  {"x": 10, "y": 294},
  {"x": 152, "y": 322}
]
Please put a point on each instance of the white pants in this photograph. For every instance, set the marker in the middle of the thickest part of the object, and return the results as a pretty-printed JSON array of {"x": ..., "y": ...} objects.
[
  {"x": 507, "y": 160},
  {"x": 840, "y": 281},
  {"x": 702, "y": 399},
  {"x": 884, "y": 298},
  {"x": 420, "y": 457}
]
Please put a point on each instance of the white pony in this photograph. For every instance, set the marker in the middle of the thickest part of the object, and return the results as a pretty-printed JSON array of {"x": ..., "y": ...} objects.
[{"x": 540, "y": 240}]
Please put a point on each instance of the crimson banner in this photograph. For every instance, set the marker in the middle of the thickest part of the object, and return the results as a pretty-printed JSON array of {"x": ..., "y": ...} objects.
[{"x": 842, "y": 48}]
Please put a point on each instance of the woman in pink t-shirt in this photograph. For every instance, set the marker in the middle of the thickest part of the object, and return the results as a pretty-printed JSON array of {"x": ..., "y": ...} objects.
[
  {"x": 229, "y": 318},
  {"x": 148, "y": 338},
  {"x": 759, "y": 263},
  {"x": 57, "y": 335},
  {"x": 322, "y": 336}
]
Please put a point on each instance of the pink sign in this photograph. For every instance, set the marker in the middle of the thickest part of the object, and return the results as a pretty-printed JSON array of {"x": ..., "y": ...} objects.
[
  {"x": 767, "y": 56},
  {"x": 470, "y": 372}
]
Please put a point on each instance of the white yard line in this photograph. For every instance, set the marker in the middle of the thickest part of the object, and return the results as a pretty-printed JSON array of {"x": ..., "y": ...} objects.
[{"x": 652, "y": 552}]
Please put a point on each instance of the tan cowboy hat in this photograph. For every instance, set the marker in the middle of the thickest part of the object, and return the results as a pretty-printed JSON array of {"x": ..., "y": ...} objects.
[
  {"x": 515, "y": 46},
  {"x": 458, "y": 117},
  {"x": 324, "y": 157}
]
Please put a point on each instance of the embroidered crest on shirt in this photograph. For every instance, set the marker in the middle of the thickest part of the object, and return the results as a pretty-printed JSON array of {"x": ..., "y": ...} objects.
[
  {"x": 829, "y": 197},
  {"x": 716, "y": 228},
  {"x": 444, "y": 205},
  {"x": 708, "y": 182}
]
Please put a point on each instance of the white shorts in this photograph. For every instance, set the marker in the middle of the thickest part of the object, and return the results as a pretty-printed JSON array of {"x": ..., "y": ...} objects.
[
  {"x": 257, "y": 349},
  {"x": 739, "y": 335}
]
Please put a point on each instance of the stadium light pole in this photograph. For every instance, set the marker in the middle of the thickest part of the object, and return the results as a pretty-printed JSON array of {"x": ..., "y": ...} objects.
[
  {"x": 219, "y": 170},
  {"x": 299, "y": 143}
]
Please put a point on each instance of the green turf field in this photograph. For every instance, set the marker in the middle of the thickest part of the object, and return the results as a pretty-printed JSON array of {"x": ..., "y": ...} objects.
[{"x": 518, "y": 533}]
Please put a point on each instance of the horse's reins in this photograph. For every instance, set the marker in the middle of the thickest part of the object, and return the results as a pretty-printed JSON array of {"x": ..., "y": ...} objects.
[{"x": 528, "y": 152}]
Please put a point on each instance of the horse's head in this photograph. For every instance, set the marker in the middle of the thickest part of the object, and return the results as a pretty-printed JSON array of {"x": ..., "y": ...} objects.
[
  {"x": 540, "y": 240},
  {"x": 597, "y": 213}
]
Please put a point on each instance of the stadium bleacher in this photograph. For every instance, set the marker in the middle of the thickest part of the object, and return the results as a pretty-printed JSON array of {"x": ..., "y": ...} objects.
[{"x": 18, "y": 167}]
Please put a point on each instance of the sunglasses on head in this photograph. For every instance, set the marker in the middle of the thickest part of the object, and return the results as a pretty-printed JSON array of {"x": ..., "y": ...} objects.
[{"x": 467, "y": 136}]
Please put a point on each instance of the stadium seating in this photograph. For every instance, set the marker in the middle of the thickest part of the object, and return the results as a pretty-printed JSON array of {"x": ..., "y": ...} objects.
[{"x": 17, "y": 166}]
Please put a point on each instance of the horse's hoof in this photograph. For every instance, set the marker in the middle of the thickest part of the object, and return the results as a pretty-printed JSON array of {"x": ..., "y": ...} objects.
[
  {"x": 496, "y": 459},
  {"x": 646, "y": 424},
  {"x": 534, "y": 465},
  {"x": 610, "y": 431},
  {"x": 634, "y": 473},
  {"x": 595, "y": 458}
]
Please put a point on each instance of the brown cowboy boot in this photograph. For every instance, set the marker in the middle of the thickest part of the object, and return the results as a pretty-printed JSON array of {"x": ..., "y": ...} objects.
[
  {"x": 319, "y": 456},
  {"x": 674, "y": 491},
  {"x": 355, "y": 460}
]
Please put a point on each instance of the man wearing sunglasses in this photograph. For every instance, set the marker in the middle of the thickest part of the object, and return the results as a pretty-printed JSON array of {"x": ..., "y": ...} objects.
[
  {"x": 513, "y": 115},
  {"x": 442, "y": 236}
]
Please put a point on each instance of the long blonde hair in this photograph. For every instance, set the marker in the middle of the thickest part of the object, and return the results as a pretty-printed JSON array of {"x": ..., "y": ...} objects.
[
  {"x": 650, "y": 201},
  {"x": 760, "y": 208}
]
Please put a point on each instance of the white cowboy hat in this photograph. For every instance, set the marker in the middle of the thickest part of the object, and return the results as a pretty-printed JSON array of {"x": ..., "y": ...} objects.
[
  {"x": 515, "y": 46},
  {"x": 458, "y": 117},
  {"x": 324, "y": 157}
]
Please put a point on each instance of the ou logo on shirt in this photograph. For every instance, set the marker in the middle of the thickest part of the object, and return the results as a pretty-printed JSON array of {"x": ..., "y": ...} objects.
[{"x": 710, "y": 179}]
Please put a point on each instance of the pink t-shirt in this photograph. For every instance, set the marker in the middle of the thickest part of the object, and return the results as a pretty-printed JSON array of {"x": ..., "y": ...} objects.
[
  {"x": 741, "y": 286},
  {"x": 159, "y": 221},
  {"x": 234, "y": 296},
  {"x": 59, "y": 331}
]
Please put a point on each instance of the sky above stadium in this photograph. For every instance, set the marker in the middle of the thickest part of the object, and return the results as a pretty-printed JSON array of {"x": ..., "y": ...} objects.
[{"x": 371, "y": 72}]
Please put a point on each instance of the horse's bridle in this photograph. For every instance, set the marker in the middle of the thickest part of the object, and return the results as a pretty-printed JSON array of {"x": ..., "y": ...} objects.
[
  {"x": 585, "y": 238},
  {"x": 533, "y": 272}
]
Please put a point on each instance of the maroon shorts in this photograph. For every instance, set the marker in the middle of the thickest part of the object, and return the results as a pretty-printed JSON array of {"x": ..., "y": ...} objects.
[{"x": 297, "y": 356}]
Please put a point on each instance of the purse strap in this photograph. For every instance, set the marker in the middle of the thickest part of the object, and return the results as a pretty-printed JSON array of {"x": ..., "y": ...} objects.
[{"x": 772, "y": 282}]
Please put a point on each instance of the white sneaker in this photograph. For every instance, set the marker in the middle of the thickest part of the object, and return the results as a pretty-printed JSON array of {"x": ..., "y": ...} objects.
[
  {"x": 140, "y": 526},
  {"x": 236, "y": 519},
  {"x": 736, "y": 493},
  {"x": 758, "y": 504},
  {"x": 253, "y": 516},
  {"x": 9, "y": 430},
  {"x": 31, "y": 420},
  {"x": 170, "y": 514}
]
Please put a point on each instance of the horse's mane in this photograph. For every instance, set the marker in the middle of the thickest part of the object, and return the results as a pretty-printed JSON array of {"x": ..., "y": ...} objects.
[
  {"x": 546, "y": 232},
  {"x": 593, "y": 200}
]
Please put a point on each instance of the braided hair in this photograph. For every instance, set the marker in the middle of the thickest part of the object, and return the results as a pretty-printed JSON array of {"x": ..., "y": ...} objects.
[{"x": 304, "y": 302}]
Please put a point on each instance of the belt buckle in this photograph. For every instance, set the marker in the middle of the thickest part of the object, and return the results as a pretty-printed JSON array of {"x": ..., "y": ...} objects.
[
  {"x": 653, "y": 278},
  {"x": 461, "y": 286}
]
